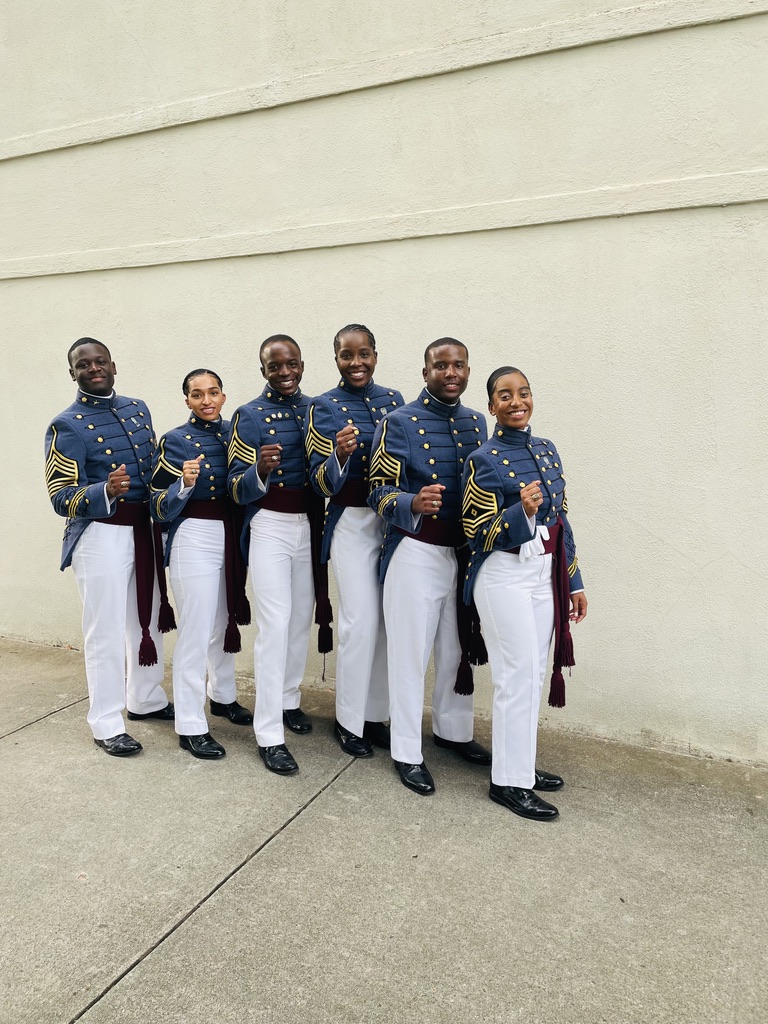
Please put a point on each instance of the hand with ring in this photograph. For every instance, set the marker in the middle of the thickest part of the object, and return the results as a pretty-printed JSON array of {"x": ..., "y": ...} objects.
[
  {"x": 428, "y": 500},
  {"x": 118, "y": 482},
  {"x": 346, "y": 442},
  {"x": 269, "y": 459},
  {"x": 531, "y": 497},
  {"x": 190, "y": 470}
]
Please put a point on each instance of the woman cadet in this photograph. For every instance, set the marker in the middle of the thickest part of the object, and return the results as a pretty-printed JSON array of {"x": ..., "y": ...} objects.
[
  {"x": 526, "y": 583},
  {"x": 189, "y": 494},
  {"x": 339, "y": 433}
]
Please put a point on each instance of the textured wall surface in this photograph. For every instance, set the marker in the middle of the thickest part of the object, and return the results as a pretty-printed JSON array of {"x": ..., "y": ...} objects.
[{"x": 579, "y": 191}]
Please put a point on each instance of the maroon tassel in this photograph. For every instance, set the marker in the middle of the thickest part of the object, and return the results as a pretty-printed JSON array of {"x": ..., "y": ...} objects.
[
  {"x": 324, "y": 641},
  {"x": 147, "y": 649},
  {"x": 557, "y": 690},
  {"x": 232, "y": 639},
  {"x": 564, "y": 654},
  {"x": 478, "y": 653},
  {"x": 166, "y": 620},
  {"x": 243, "y": 612},
  {"x": 464, "y": 684}
]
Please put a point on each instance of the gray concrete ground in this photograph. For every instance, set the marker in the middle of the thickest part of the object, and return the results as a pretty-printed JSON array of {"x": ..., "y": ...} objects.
[{"x": 165, "y": 889}]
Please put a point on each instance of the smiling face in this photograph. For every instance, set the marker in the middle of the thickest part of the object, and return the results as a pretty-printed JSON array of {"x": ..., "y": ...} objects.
[
  {"x": 512, "y": 401},
  {"x": 356, "y": 358},
  {"x": 204, "y": 397},
  {"x": 446, "y": 373},
  {"x": 92, "y": 369},
  {"x": 282, "y": 366}
]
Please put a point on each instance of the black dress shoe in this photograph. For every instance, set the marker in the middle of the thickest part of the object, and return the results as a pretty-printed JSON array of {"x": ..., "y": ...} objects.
[
  {"x": 470, "y": 751},
  {"x": 547, "y": 782},
  {"x": 205, "y": 747},
  {"x": 295, "y": 720},
  {"x": 164, "y": 714},
  {"x": 523, "y": 802},
  {"x": 351, "y": 744},
  {"x": 377, "y": 734},
  {"x": 416, "y": 777},
  {"x": 278, "y": 759},
  {"x": 234, "y": 712},
  {"x": 120, "y": 746}
]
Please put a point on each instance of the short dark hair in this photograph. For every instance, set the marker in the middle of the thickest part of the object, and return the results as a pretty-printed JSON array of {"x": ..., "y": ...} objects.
[
  {"x": 86, "y": 341},
  {"x": 502, "y": 372},
  {"x": 196, "y": 373},
  {"x": 443, "y": 341},
  {"x": 361, "y": 328},
  {"x": 276, "y": 337}
]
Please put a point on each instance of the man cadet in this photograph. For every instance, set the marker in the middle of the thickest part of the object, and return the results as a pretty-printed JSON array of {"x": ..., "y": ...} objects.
[
  {"x": 268, "y": 474},
  {"x": 415, "y": 476},
  {"x": 98, "y": 464}
]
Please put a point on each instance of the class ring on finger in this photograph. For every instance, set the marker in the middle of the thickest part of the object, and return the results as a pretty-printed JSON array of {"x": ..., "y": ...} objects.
[
  {"x": 274, "y": 458},
  {"x": 435, "y": 504}
]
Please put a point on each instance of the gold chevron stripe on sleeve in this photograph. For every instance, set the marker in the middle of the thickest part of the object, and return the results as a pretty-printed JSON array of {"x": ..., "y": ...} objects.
[
  {"x": 385, "y": 468},
  {"x": 573, "y": 567},
  {"x": 317, "y": 443},
  {"x": 165, "y": 464},
  {"x": 565, "y": 502},
  {"x": 59, "y": 470},
  {"x": 477, "y": 506},
  {"x": 238, "y": 449}
]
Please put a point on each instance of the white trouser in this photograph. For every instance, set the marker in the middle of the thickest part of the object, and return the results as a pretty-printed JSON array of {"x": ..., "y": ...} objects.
[
  {"x": 361, "y": 661},
  {"x": 280, "y": 563},
  {"x": 516, "y": 609},
  {"x": 200, "y": 591},
  {"x": 419, "y": 611},
  {"x": 103, "y": 563}
]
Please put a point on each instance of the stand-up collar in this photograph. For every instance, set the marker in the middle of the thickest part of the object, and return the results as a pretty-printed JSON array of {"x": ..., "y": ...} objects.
[
  {"x": 364, "y": 392},
  {"x": 435, "y": 405},
  {"x": 269, "y": 394},
  {"x": 514, "y": 438},
  {"x": 96, "y": 401},
  {"x": 213, "y": 425}
]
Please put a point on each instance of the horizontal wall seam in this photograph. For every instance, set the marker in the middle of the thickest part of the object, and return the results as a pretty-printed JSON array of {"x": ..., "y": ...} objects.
[
  {"x": 737, "y": 187},
  {"x": 588, "y": 30}
]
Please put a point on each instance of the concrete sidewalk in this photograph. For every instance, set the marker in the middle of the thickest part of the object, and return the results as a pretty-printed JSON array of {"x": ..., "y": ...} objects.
[{"x": 162, "y": 888}]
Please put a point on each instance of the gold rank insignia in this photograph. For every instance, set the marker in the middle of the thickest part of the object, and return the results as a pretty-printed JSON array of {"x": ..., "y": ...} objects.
[
  {"x": 60, "y": 471},
  {"x": 478, "y": 505},
  {"x": 385, "y": 469}
]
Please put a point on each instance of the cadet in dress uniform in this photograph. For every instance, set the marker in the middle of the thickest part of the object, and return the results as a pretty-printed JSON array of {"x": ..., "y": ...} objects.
[
  {"x": 268, "y": 474},
  {"x": 189, "y": 492},
  {"x": 339, "y": 432},
  {"x": 98, "y": 463},
  {"x": 525, "y": 578},
  {"x": 419, "y": 454}
]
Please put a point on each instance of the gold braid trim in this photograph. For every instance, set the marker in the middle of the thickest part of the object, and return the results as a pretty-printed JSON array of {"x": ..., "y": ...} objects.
[
  {"x": 235, "y": 485},
  {"x": 321, "y": 483},
  {"x": 565, "y": 502},
  {"x": 59, "y": 470},
  {"x": 74, "y": 501},
  {"x": 239, "y": 449},
  {"x": 477, "y": 506},
  {"x": 158, "y": 500},
  {"x": 493, "y": 532},
  {"x": 573, "y": 567},
  {"x": 385, "y": 468},
  {"x": 317, "y": 443},
  {"x": 392, "y": 496}
]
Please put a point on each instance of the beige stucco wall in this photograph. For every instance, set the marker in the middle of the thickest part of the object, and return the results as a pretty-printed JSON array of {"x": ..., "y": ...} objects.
[{"x": 581, "y": 192}]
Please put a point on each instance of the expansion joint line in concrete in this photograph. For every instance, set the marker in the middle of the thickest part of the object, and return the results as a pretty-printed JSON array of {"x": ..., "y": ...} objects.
[
  {"x": 42, "y": 718},
  {"x": 201, "y": 903}
]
